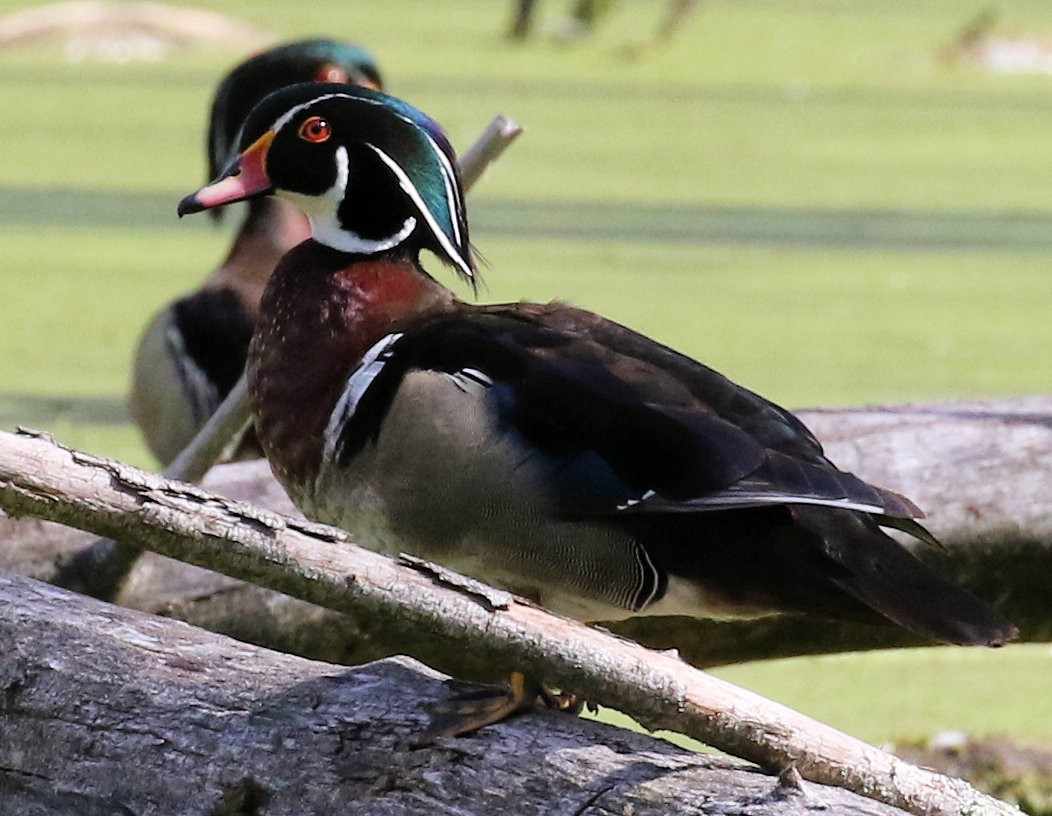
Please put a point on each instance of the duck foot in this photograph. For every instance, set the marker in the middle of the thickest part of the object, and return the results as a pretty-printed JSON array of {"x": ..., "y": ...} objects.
[{"x": 474, "y": 706}]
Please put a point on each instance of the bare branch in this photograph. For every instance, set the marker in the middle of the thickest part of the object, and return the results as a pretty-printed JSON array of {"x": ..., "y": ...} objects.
[
  {"x": 982, "y": 470},
  {"x": 495, "y": 139}
]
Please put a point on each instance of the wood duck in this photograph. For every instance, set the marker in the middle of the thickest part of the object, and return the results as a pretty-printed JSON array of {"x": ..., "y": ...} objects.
[
  {"x": 540, "y": 447},
  {"x": 193, "y": 351}
]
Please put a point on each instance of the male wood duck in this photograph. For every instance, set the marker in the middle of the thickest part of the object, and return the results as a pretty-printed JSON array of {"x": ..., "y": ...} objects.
[
  {"x": 193, "y": 351},
  {"x": 536, "y": 446}
]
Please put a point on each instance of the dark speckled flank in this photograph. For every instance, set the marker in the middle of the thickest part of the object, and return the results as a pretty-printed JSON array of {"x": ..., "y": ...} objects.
[{"x": 216, "y": 329}]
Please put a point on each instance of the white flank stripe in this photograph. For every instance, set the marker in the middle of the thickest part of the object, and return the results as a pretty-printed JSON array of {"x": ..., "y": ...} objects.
[
  {"x": 477, "y": 376},
  {"x": 843, "y": 504},
  {"x": 197, "y": 387},
  {"x": 646, "y": 566},
  {"x": 723, "y": 501},
  {"x": 633, "y": 502},
  {"x": 357, "y": 384}
]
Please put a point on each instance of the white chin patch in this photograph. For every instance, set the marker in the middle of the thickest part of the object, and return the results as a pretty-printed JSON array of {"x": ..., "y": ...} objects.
[{"x": 332, "y": 235}]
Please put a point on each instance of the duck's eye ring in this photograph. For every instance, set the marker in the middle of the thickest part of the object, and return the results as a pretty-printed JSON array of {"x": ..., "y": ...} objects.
[{"x": 316, "y": 129}]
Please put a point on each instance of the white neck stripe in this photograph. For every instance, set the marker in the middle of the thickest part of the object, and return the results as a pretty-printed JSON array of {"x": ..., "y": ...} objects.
[
  {"x": 358, "y": 383},
  {"x": 333, "y": 235}
]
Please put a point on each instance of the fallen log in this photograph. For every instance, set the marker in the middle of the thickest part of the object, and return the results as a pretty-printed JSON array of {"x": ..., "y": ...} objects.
[{"x": 109, "y": 711}]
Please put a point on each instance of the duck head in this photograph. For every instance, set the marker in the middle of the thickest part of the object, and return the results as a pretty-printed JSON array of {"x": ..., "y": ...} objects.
[
  {"x": 311, "y": 60},
  {"x": 372, "y": 173}
]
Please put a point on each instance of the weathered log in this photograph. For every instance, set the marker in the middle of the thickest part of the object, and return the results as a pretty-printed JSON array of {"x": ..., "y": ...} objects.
[
  {"x": 319, "y": 564},
  {"x": 982, "y": 470},
  {"x": 108, "y": 711}
]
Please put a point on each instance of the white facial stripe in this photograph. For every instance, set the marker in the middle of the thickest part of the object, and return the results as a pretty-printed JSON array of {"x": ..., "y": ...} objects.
[
  {"x": 448, "y": 175},
  {"x": 317, "y": 206},
  {"x": 321, "y": 212},
  {"x": 331, "y": 235},
  {"x": 414, "y": 194},
  {"x": 338, "y": 190},
  {"x": 287, "y": 116},
  {"x": 284, "y": 119}
]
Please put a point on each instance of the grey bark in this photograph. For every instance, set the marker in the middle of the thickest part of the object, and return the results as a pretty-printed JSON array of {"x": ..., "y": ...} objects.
[
  {"x": 320, "y": 565},
  {"x": 108, "y": 711}
]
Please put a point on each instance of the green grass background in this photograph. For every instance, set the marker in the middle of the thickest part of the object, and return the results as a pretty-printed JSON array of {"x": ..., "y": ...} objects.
[{"x": 803, "y": 194}]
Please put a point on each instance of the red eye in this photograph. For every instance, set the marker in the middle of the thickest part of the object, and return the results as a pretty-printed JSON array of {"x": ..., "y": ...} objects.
[
  {"x": 331, "y": 73},
  {"x": 315, "y": 129}
]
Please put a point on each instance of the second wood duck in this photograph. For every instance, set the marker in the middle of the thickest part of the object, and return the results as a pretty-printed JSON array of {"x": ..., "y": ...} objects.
[
  {"x": 193, "y": 351},
  {"x": 536, "y": 446}
]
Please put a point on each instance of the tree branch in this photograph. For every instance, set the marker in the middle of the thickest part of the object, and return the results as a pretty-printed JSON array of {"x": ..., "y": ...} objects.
[{"x": 320, "y": 565}]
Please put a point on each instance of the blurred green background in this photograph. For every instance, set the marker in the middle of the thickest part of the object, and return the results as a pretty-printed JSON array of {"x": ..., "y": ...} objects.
[{"x": 812, "y": 196}]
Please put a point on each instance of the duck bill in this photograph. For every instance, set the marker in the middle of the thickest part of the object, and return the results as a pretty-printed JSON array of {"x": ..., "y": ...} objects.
[{"x": 246, "y": 178}]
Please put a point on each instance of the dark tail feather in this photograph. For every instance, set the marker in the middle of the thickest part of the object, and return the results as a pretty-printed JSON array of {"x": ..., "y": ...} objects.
[
  {"x": 908, "y": 525},
  {"x": 882, "y": 575}
]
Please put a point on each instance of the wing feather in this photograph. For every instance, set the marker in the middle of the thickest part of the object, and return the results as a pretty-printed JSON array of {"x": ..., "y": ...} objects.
[{"x": 616, "y": 424}]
